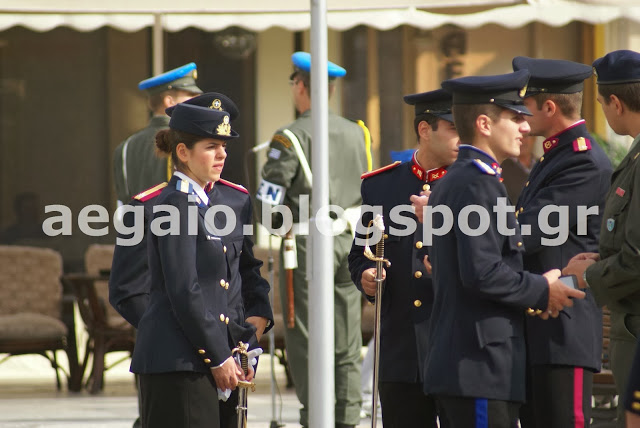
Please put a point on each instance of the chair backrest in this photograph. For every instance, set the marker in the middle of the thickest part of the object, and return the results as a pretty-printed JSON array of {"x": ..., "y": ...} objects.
[
  {"x": 30, "y": 280},
  {"x": 97, "y": 259}
]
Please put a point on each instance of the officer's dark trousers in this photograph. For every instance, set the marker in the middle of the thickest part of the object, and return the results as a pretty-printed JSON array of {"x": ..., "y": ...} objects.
[
  {"x": 185, "y": 400},
  {"x": 557, "y": 397},
  {"x": 625, "y": 329},
  {"x": 405, "y": 405},
  {"x": 462, "y": 412}
]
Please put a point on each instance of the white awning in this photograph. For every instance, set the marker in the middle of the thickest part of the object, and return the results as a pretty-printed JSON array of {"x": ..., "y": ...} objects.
[{"x": 38, "y": 15}]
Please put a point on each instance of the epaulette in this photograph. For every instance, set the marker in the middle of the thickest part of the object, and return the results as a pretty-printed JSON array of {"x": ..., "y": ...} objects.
[
  {"x": 581, "y": 144},
  {"x": 234, "y": 185},
  {"x": 150, "y": 193},
  {"x": 484, "y": 167},
  {"x": 379, "y": 170}
]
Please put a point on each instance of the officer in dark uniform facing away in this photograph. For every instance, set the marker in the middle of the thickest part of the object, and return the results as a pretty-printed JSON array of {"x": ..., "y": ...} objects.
[
  {"x": 476, "y": 361},
  {"x": 185, "y": 337},
  {"x": 136, "y": 167},
  {"x": 408, "y": 295},
  {"x": 613, "y": 274},
  {"x": 574, "y": 171}
]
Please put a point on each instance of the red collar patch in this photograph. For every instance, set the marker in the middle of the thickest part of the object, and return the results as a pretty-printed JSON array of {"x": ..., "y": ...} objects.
[
  {"x": 422, "y": 174},
  {"x": 436, "y": 174},
  {"x": 549, "y": 144}
]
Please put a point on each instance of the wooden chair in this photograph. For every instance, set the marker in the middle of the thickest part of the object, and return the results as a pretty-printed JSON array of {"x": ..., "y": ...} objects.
[
  {"x": 108, "y": 331},
  {"x": 603, "y": 412},
  {"x": 31, "y": 306}
]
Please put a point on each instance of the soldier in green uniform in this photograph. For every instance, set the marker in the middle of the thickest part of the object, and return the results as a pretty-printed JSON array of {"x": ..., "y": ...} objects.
[
  {"x": 286, "y": 179},
  {"x": 136, "y": 167},
  {"x": 613, "y": 274}
]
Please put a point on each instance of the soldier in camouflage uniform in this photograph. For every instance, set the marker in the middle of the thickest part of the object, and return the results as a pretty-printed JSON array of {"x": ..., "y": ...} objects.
[
  {"x": 136, "y": 167},
  {"x": 284, "y": 180},
  {"x": 613, "y": 274}
]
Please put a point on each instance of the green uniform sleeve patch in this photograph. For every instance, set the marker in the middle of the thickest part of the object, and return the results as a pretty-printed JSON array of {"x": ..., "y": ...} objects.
[{"x": 282, "y": 140}]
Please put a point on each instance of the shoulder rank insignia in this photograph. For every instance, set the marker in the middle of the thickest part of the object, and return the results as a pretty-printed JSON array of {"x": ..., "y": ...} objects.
[
  {"x": 150, "y": 193},
  {"x": 484, "y": 167},
  {"x": 581, "y": 144},
  {"x": 379, "y": 170},
  {"x": 282, "y": 140},
  {"x": 234, "y": 186}
]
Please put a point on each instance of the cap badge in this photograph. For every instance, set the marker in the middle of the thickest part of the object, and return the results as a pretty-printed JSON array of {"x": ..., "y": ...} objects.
[
  {"x": 216, "y": 105},
  {"x": 195, "y": 74},
  {"x": 595, "y": 72},
  {"x": 224, "y": 128},
  {"x": 523, "y": 91}
]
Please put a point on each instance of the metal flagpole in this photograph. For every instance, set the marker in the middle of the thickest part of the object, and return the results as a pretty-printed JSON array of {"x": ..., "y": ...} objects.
[
  {"x": 157, "y": 44},
  {"x": 321, "y": 319}
]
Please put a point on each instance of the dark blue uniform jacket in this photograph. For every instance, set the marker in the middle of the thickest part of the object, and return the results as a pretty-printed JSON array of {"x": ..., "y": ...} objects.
[
  {"x": 408, "y": 294},
  {"x": 571, "y": 173},
  {"x": 476, "y": 335}
]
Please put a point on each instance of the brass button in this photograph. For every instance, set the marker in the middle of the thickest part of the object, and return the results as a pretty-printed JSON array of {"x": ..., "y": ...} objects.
[
  {"x": 526, "y": 184},
  {"x": 636, "y": 395},
  {"x": 386, "y": 236},
  {"x": 224, "y": 248},
  {"x": 517, "y": 214},
  {"x": 426, "y": 187},
  {"x": 419, "y": 245},
  {"x": 201, "y": 351},
  {"x": 226, "y": 320},
  {"x": 207, "y": 361},
  {"x": 418, "y": 274},
  {"x": 519, "y": 244},
  {"x": 521, "y": 209},
  {"x": 222, "y": 283},
  {"x": 538, "y": 311},
  {"x": 542, "y": 158},
  {"x": 221, "y": 317},
  {"x": 531, "y": 312},
  {"x": 635, "y": 405},
  {"x": 417, "y": 303}
]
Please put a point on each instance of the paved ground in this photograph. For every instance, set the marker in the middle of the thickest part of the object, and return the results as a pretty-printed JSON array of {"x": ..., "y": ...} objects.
[{"x": 29, "y": 399}]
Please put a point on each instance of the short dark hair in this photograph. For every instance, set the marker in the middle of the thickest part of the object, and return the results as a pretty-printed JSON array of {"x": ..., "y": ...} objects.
[
  {"x": 570, "y": 105},
  {"x": 305, "y": 78},
  {"x": 168, "y": 139},
  {"x": 157, "y": 100},
  {"x": 465, "y": 115},
  {"x": 628, "y": 93},
  {"x": 425, "y": 117}
]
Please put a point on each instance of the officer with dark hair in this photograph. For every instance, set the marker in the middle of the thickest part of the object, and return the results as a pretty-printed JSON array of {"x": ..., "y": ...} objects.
[
  {"x": 408, "y": 294},
  {"x": 130, "y": 280},
  {"x": 574, "y": 171},
  {"x": 136, "y": 166},
  {"x": 613, "y": 273},
  {"x": 476, "y": 362}
]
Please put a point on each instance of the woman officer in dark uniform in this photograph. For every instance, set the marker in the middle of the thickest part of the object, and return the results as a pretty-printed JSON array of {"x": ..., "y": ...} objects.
[{"x": 185, "y": 338}]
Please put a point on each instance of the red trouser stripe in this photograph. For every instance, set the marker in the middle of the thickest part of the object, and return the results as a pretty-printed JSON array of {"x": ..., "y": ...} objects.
[{"x": 578, "y": 414}]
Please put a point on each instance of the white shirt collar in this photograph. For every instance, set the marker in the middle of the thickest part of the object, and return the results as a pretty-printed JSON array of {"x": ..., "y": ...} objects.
[{"x": 196, "y": 187}]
